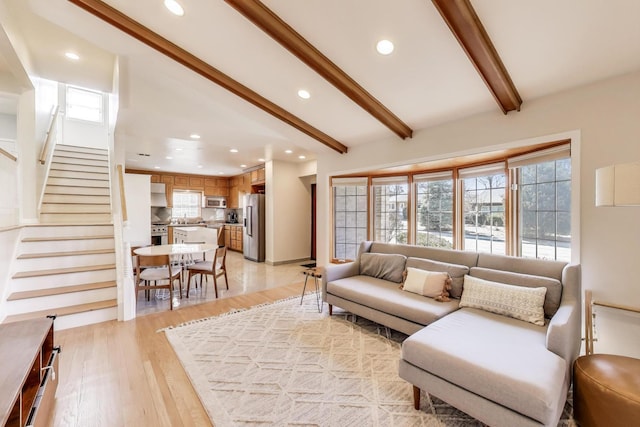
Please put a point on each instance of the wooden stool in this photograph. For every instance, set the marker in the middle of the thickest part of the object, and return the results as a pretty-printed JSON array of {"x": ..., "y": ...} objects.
[
  {"x": 606, "y": 390},
  {"x": 316, "y": 273}
]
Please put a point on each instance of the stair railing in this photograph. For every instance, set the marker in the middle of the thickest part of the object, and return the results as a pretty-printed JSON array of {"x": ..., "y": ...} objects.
[{"x": 48, "y": 147}]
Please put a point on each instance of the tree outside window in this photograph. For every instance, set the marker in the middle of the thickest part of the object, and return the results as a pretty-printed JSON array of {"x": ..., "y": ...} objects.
[
  {"x": 483, "y": 210},
  {"x": 434, "y": 211},
  {"x": 390, "y": 198}
]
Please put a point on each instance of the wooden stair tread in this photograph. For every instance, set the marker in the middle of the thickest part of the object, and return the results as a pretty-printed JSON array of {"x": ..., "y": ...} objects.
[
  {"x": 63, "y": 311},
  {"x": 69, "y": 253},
  {"x": 78, "y": 203},
  {"x": 60, "y": 290},
  {"x": 38, "y": 273},
  {"x": 63, "y": 238}
]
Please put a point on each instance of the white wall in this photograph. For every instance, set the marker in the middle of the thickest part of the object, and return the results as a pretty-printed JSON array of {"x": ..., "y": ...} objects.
[
  {"x": 288, "y": 217},
  {"x": 606, "y": 116},
  {"x": 137, "y": 191}
]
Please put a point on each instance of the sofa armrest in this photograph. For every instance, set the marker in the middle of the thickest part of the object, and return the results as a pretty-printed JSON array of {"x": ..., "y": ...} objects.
[
  {"x": 338, "y": 271},
  {"x": 564, "y": 334}
]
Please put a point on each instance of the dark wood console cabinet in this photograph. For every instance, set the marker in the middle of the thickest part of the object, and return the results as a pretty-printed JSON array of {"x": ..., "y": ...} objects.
[{"x": 29, "y": 373}]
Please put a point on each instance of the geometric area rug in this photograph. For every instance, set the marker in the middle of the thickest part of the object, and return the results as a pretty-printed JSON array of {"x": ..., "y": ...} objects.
[{"x": 285, "y": 364}]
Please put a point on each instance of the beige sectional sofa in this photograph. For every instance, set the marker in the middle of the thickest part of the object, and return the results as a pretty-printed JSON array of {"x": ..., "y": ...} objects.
[{"x": 485, "y": 361}]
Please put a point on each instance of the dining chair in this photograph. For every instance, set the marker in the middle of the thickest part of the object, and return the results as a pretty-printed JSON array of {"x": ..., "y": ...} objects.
[
  {"x": 154, "y": 268},
  {"x": 216, "y": 268}
]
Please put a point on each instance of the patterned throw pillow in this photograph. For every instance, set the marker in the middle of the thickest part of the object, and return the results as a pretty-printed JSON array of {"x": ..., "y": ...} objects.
[
  {"x": 427, "y": 283},
  {"x": 514, "y": 301}
]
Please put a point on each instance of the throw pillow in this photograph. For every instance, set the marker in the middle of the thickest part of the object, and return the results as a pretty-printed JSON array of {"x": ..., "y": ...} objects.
[
  {"x": 427, "y": 283},
  {"x": 514, "y": 301},
  {"x": 456, "y": 271},
  {"x": 383, "y": 266}
]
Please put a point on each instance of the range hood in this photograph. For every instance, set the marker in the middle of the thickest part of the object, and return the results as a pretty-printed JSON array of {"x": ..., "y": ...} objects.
[{"x": 158, "y": 195}]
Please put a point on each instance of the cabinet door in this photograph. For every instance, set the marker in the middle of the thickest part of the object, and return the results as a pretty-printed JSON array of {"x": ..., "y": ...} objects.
[
  {"x": 156, "y": 178},
  {"x": 167, "y": 179},
  {"x": 261, "y": 175},
  {"x": 196, "y": 182},
  {"x": 182, "y": 181},
  {"x": 227, "y": 237}
]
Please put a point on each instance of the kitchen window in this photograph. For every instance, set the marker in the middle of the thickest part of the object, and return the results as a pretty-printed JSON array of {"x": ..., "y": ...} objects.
[{"x": 186, "y": 204}]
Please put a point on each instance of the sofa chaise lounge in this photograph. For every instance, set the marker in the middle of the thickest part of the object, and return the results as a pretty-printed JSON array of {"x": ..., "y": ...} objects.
[{"x": 470, "y": 352}]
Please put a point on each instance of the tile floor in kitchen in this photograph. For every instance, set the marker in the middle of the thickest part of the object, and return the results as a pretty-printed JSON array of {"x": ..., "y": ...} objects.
[{"x": 244, "y": 277}]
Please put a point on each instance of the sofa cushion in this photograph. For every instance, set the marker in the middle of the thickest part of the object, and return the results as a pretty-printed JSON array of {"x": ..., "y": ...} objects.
[
  {"x": 432, "y": 284},
  {"x": 518, "y": 302},
  {"x": 383, "y": 266},
  {"x": 554, "y": 287},
  {"x": 456, "y": 271},
  {"x": 502, "y": 359},
  {"x": 387, "y": 297}
]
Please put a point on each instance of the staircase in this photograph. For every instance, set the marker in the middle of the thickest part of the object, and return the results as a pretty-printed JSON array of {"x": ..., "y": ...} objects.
[{"x": 66, "y": 264}]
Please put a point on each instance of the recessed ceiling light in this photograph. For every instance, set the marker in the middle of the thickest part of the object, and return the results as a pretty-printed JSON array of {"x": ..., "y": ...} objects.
[
  {"x": 156, "y": 167},
  {"x": 179, "y": 149},
  {"x": 220, "y": 173},
  {"x": 199, "y": 166},
  {"x": 301, "y": 157},
  {"x": 233, "y": 150},
  {"x": 73, "y": 56},
  {"x": 261, "y": 160},
  {"x": 384, "y": 47},
  {"x": 288, "y": 151},
  {"x": 174, "y": 7},
  {"x": 243, "y": 166},
  {"x": 168, "y": 157},
  {"x": 194, "y": 136},
  {"x": 304, "y": 94}
]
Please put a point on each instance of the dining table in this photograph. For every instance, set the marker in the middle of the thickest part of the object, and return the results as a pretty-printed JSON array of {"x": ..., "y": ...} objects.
[{"x": 175, "y": 249}]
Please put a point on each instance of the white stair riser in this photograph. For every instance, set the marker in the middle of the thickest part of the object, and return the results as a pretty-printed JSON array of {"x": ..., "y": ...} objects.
[
  {"x": 80, "y": 168},
  {"x": 56, "y": 280},
  {"x": 68, "y": 231},
  {"x": 85, "y": 318},
  {"x": 65, "y": 246},
  {"x": 79, "y": 149},
  {"x": 74, "y": 218},
  {"x": 48, "y": 263},
  {"x": 78, "y": 175},
  {"x": 77, "y": 182},
  {"x": 62, "y": 300},
  {"x": 90, "y": 191},
  {"x": 76, "y": 199},
  {"x": 79, "y": 155},
  {"x": 62, "y": 208},
  {"x": 76, "y": 161}
]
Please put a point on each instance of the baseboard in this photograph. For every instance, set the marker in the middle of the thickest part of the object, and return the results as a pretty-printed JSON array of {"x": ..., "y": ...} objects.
[{"x": 292, "y": 261}]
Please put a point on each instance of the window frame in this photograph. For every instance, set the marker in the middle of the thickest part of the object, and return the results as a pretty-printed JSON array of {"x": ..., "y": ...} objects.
[
  {"x": 175, "y": 205},
  {"x": 570, "y": 140},
  {"x": 68, "y": 105}
]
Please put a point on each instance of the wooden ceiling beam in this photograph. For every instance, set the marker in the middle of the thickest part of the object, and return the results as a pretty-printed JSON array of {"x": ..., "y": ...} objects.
[
  {"x": 265, "y": 19},
  {"x": 467, "y": 28},
  {"x": 138, "y": 31}
]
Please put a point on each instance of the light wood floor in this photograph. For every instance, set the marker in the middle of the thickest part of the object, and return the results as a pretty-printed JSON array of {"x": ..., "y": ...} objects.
[{"x": 126, "y": 373}]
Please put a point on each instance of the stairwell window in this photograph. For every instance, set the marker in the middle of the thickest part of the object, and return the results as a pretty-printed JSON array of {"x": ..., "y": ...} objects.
[
  {"x": 84, "y": 104},
  {"x": 186, "y": 204}
]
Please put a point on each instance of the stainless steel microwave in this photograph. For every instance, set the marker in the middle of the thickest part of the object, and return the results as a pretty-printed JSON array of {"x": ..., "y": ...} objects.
[{"x": 215, "y": 202}]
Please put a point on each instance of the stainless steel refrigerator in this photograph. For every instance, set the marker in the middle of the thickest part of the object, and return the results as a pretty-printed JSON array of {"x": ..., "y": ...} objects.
[{"x": 253, "y": 242}]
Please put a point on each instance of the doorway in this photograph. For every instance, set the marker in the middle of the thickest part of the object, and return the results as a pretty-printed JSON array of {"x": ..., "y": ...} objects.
[{"x": 313, "y": 221}]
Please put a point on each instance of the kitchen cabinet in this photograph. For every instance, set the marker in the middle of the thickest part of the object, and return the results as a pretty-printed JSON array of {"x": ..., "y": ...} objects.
[
  {"x": 211, "y": 186},
  {"x": 233, "y": 237},
  {"x": 29, "y": 374},
  {"x": 195, "y": 234},
  {"x": 258, "y": 176}
]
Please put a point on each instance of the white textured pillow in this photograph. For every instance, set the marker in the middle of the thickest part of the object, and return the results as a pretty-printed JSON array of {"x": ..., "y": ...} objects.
[
  {"x": 518, "y": 302},
  {"x": 428, "y": 283}
]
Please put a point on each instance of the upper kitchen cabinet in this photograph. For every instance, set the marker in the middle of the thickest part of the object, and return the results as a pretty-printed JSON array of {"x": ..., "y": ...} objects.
[
  {"x": 210, "y": 186},
  {"x": 257, "y": 176},
  {"x": 216, "y": 187}
]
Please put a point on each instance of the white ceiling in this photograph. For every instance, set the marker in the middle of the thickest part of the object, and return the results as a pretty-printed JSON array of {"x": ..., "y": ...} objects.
[{"x": 547, "y": 46}]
